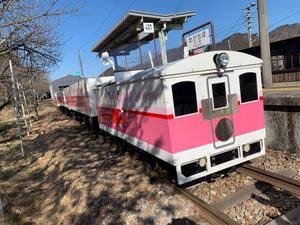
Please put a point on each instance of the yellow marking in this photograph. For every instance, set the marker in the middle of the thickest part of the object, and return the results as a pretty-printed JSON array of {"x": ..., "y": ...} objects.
[{"x": 282, "y": 89}]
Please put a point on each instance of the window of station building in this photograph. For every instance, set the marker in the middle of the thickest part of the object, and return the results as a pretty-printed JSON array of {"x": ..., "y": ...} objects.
[
  {"x": 219, "y": 95},
  {"x": 184, "y": 98},
  {"x": 248, "y": 87},
  {"x": 295, "y": 59},
  {"x": 278, "y": 62}
]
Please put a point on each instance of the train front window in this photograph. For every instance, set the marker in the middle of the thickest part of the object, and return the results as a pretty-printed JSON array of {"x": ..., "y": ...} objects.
[
  {"x": 219, "y": 95},
  {"x": 184, "y": 98},
  {"x": 248, "y": 87}
]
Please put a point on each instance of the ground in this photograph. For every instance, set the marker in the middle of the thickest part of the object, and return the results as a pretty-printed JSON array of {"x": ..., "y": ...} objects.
[{"x": 69, "y": 176}]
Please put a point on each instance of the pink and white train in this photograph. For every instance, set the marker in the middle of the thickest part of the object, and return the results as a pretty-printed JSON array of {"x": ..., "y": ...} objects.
[{"x": 200, "y": 114}]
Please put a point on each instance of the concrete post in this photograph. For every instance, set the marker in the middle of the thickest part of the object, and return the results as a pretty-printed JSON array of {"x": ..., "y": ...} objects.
[
  {"x": 34, "y": 98},
  {"x": 264, "y": 43},
  {"x": 16, "y": 107},
  {"x": 163, "y": 49}
]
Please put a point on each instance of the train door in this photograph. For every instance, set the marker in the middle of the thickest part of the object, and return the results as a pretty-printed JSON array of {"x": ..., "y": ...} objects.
[{"x": 219, "y": 108}]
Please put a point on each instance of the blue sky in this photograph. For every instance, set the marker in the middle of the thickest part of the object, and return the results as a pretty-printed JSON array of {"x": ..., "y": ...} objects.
[{"x": 97, "y": 17}]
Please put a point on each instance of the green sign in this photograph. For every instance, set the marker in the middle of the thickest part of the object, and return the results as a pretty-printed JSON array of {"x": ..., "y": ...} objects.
[{"x": 77, "y": 73}]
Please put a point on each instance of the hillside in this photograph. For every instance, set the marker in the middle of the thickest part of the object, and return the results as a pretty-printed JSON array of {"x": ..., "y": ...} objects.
[{"x": 240, "y": 40}]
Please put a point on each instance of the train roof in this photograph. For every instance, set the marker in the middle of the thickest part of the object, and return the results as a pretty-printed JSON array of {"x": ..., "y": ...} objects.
[
  {"x": 126, "y": 30},
  {"x": 94, "y": 81},
  {"x": 64, "y": 81},
  {"x": 201, "y": 63}
]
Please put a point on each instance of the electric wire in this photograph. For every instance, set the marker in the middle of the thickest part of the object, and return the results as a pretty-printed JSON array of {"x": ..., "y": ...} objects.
[
  {"x": 279, "y": 21},
  {"x": 103, "y": 22},
  {"x": 129, "y": 6},
  {"x": 179, "y": 4},
  {"x": 228, "y": 31}
]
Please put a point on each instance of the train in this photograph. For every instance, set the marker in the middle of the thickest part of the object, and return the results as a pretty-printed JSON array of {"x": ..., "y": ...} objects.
[{"x": 200, "y": 114}]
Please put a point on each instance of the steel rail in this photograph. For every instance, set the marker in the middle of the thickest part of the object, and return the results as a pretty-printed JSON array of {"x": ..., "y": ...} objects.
[
  {"x": 285, "y": 183},
  {"x": 209, "y": 213}
]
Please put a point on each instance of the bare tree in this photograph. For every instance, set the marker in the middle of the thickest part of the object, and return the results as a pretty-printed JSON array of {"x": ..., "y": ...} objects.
[{"x": 28, "y": 35}]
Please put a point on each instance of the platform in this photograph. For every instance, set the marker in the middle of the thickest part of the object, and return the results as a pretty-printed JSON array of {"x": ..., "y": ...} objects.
[
  {"x": 282, "y": 113},
  {"x": 285, "y": 94}
]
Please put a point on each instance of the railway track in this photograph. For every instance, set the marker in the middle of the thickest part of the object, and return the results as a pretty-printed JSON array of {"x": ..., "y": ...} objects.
[
  {"x": 212, "y": 214},
  {"x": 215, "y": 216},
  {"x": 285, "y": 183},
  {"x": 208, "y": 212}
]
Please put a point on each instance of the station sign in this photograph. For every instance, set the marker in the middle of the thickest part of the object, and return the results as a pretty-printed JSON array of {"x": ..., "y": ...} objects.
[
  {"x": 198, "y": 40},
  {"x": 148, "y": 28}
]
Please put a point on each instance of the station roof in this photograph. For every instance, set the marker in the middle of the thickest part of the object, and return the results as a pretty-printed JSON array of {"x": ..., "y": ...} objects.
[{"x": 127, "y": 29}]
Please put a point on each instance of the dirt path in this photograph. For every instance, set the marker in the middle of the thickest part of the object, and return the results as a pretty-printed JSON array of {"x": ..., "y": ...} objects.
[{"x": 70, "y": 177}]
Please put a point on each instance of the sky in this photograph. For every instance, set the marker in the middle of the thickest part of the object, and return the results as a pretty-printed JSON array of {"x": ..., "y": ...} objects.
[{"x": 97, "y": 17}]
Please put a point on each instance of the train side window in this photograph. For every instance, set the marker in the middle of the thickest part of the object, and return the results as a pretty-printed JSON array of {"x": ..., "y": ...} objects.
[
  {"x": 219, "y": 95},
  {"x": 184, "y": 98},
  {"x": 248, "y": 87}
]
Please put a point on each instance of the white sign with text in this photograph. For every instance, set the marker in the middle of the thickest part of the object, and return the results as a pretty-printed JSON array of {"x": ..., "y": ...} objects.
[
  {"x": 198, "y": 40},
  {"x": 148, "y": 27}
]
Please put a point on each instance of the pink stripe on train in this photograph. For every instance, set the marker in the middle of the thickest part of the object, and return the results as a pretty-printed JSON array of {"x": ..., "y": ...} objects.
[{"x": 178, "y": 134}]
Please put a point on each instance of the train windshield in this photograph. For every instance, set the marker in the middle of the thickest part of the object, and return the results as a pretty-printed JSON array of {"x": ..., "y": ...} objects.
[{"x": 136, "y": 55}]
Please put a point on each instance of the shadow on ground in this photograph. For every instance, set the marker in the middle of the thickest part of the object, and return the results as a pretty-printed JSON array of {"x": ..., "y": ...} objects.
[{"x": 69, "y": 176}]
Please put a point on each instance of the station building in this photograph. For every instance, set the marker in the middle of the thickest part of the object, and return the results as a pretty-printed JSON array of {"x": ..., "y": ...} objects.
[{"x": 285, "y": 59}]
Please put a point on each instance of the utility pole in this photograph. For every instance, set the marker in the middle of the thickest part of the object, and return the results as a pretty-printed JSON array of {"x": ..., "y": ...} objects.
[
  {"x": 264, "y": 43},
  {"x": 249, "y": 17},
  {"x": 80, "y": 63}
]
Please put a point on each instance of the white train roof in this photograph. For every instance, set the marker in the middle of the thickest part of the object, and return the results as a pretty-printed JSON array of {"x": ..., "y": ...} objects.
[
  {"x": 199, "y": 63},
  {"x": 95, "y": 81}
]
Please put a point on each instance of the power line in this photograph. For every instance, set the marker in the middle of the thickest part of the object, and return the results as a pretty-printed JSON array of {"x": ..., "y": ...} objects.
[
  {"x": 293, "y": 14},
  {"x": 103, "y": 22},
  {"x": 229, "y": 30},
  {"x": 234, "y": 24},
  {"x": 237, "y": 29},
  {"x": 224, "y": 28},
  {"x": 131, "y": 4},
  {"x": 179, "y": 4}
]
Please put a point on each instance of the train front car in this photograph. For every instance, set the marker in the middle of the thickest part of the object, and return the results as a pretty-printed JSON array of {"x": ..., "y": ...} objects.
[
  {"x": 217, "y": 115},
  {"x": 191, "y": 113},
  {"x": 200, "y": 114}
]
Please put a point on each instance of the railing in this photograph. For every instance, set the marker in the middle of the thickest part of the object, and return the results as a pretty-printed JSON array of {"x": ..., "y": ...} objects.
[{"x": 285, "y": 76}]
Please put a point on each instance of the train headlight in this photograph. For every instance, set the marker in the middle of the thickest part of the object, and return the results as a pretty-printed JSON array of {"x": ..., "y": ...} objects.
[
  {"x": 202, "y": 162},
  {"x": 221, "y": 59},
  {"x": 246, "y": 148}
]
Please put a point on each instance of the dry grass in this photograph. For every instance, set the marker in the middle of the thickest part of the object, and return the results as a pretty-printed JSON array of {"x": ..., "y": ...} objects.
[
  {"x": 7, "y": 114},
  {"x": 67, "y": 176}
]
